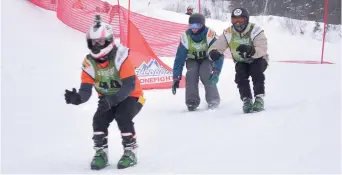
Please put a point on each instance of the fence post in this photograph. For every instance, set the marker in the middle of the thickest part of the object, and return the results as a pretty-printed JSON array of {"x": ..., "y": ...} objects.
[
  {"x": 324, "y": 28},
  {"x": 128, "y": 21}
]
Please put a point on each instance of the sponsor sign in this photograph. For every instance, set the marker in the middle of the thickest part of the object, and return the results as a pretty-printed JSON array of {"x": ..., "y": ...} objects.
[{"x": 153, "y": 73}]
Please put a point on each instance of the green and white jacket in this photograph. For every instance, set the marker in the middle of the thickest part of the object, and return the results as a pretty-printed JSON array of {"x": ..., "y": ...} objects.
[{"x": 253, "y": 35}]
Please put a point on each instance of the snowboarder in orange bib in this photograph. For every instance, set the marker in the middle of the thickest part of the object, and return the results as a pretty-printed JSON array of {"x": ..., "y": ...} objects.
[{"x": 109, "y": 70}]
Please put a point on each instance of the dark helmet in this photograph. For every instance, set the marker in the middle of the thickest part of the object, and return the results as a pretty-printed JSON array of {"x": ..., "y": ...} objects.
[
  {"x": 240, "y": 13},
  {"x": 190, "y": 8},
  {"x": 197, "y": 18}
]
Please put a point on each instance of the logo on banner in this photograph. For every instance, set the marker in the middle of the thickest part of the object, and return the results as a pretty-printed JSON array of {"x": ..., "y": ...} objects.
[{"x": 153, "y": 73}]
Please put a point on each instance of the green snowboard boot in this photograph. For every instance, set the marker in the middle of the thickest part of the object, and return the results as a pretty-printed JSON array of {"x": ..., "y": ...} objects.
[
  {"x": 129, "y": 157},
  {"x": 247, "y": 105},
  {"x": 258, "y": 103},
  {"x": 100, "y": 159}
]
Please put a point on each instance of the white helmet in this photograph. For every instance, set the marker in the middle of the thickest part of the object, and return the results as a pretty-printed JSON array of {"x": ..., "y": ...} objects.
[{"x": 100, "y": 39}]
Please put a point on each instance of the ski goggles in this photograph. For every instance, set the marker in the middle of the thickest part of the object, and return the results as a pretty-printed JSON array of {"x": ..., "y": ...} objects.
[
  {"x": 100, "y": 41},
  {"x": 238, "y": 20},
  {"x": 195, "y": 26}
]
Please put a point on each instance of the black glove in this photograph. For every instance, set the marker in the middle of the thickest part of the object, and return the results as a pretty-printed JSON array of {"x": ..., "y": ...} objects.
[
  {"x": 175, "y": 85},
  {"x": 106, "y": 103},
  {"x": 215, "y": 55},
  {"x": 72, "y": 97},
  {"x": 246, "y": 51}
]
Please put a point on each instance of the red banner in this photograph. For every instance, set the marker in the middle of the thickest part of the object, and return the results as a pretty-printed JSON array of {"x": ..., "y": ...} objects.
[{"x": 152, "y": 72}]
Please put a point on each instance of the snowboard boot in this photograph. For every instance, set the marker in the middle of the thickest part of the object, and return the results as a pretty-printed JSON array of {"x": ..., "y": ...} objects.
[
  {"x": 100, "y": 159},
  {"x": 191, "y": 106},
  {"x": 213, "y": 105},
  {"x": 129, "y": 157},
  {"x": 247, "y": 105},
  {"x": 258, "y": 103}
]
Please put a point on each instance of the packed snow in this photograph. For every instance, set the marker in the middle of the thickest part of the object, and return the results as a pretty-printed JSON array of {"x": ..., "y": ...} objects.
[{"x": 299, "y": 132}]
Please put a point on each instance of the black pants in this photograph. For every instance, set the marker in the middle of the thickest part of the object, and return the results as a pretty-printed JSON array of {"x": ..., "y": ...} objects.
[
  {"x": 256, "y": 70},
  {"x": 123, "y": 113}
]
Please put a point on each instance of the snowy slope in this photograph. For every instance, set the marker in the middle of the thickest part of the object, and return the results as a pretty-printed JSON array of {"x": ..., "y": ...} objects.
[{"x": 300, "y": 132}]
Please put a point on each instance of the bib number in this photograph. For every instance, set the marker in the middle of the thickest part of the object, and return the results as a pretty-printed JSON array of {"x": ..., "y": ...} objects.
[
  {"x": 199, "y": 55},
  {"x": 112, "y": 84}
]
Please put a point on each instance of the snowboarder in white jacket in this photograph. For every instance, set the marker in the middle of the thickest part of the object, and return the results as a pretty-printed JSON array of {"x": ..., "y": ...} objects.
[{"x": 248, "y": 46}]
